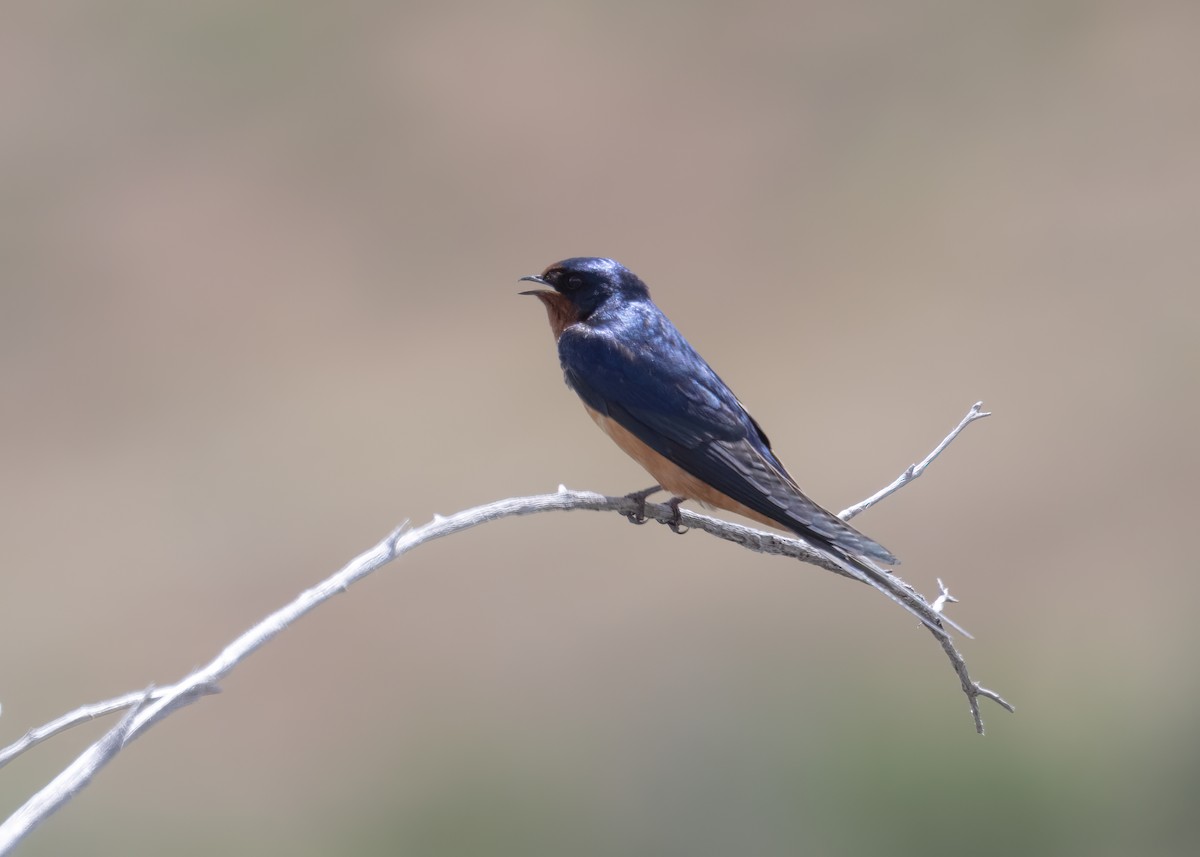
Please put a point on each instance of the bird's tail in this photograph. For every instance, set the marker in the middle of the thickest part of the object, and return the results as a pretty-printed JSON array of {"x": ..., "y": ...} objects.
[
  {"x": 892, "y": 586},
  {"x": 808, "y": 519},
  {"x": 850, "y": 540}
]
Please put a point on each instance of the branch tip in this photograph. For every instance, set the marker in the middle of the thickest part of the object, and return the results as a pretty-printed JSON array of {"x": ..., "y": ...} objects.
[{"x": 980, "y": 690}]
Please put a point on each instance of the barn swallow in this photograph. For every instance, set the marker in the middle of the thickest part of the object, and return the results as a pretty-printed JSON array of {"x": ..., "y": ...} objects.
[{"x": 661, "y": 403}]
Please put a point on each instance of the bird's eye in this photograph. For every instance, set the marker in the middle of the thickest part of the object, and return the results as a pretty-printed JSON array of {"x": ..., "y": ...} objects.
[{"x": 573, "y": 284}]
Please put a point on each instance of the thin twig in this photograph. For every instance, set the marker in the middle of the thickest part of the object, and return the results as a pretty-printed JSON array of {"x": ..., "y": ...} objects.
[
  {"x": 149, "y": 706},
  {"x": 915, "y": 470},
  {"x": 70, "y": 781},
  {"x": 73, "y": 718}
]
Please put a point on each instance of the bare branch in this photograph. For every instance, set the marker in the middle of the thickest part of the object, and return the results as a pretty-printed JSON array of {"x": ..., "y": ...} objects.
[
  {"x": 73, "y": 718},
  {"x": 72, "y": 779},
  {"x": 149, "y": 706},
  {"x": 915, "y": 470}
]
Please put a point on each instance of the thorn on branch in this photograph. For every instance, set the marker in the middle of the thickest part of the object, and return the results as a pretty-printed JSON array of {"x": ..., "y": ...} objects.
[{"x": 943, "y": 599}]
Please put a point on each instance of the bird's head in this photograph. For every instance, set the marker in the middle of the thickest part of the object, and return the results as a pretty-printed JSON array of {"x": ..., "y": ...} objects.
[{"x": 577, "y": 287}]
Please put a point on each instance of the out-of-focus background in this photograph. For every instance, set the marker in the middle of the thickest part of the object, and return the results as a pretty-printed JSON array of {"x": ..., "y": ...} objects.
[{"x": 258, "y": 267}]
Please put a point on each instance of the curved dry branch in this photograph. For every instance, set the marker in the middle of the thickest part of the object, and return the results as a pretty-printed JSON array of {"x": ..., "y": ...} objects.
[{"x": 149, "y": 706}]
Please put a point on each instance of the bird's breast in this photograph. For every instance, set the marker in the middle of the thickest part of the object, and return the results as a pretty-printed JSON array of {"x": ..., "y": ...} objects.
[
  {"x": 670, "y": 475},
  {"x": 665, "y": 472}
]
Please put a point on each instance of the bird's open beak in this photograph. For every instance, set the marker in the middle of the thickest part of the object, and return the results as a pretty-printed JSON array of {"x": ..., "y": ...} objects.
[{"x": 534, "y": 278}]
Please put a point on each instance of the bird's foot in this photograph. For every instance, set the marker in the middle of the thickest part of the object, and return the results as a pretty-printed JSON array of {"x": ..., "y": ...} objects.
[
  {"x": 676, "y": 520},
  {"x": 638, "y": 516}
]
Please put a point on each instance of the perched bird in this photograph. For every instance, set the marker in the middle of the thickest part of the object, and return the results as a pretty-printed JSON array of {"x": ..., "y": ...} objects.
[{"x": 649, "y": 390}]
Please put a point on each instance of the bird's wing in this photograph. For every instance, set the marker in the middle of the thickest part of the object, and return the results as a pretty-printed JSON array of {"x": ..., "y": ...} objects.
[{"x": 667, "y": 396}]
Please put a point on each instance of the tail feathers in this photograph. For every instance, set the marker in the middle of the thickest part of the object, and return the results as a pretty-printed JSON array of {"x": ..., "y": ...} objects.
[
  {"x": 809, "y": 519},
  {"x": 892, "y": 587}
]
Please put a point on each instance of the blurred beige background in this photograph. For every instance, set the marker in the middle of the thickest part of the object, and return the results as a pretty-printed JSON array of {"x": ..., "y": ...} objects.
[{"x": 258, "y": 268}]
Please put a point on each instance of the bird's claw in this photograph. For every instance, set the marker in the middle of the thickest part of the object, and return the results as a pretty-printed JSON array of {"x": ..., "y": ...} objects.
[
  {"x": 675, "y": 522},
  {"x": 638, "y": 515}
]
